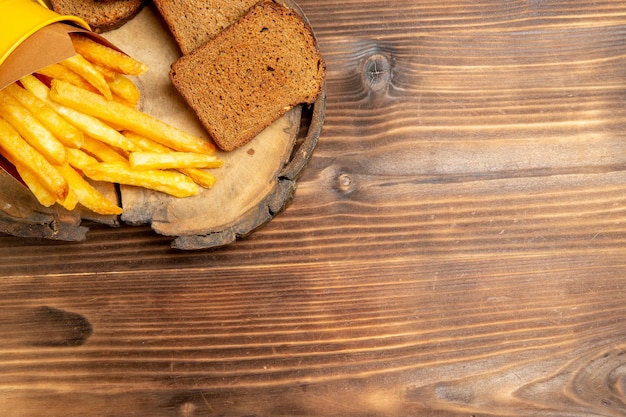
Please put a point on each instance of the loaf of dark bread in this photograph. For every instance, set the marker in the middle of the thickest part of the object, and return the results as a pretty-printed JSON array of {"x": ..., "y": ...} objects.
[
  {"x": 193, "y": 22},
  {"x": 101, "y": 16},
  {"x": 251, "y": 73}
]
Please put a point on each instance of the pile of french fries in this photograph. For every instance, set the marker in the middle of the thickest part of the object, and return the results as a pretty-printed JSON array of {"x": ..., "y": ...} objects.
[{"x": 77, "y": 122}]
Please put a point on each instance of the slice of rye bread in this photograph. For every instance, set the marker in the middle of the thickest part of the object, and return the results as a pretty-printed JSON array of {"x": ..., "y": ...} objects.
[
  {"x": 193, "y": 22},
  {"x": 251, "y": 74},
  {"x": 101, "y": 16}
]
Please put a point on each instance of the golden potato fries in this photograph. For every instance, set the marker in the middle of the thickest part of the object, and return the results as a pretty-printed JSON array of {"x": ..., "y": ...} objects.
[
  {"x": 170, "y": 160},
  {"x": 87, "y": 195},
  {"x": 76, "y": 123},
  {"x": 86, "y": 123},
  {"x": 107, "y": 73},
  {"x": 127, "y": 118},
  {"x": 106, "y": 57},
  {"x": 60, "y": 72},
  {"x": 19, "y": 152},
  {"x": 31, "y": 129},
  {"x": 35, "y": 185},
  {"x": 125, "y": 89},
  {"x": 102, "y": 151},
  {"x": 69, "y": 135},
  {"x": 36, "y": 87},
  {"x": 70, "y": 202},
  {"x": 95, "y": 128},
  {"x": 145, "y": 144},
  {"x": 169, "y": 182},
  {"x": 79, "y": 159},
  {"x": 199, "y": 176},
  {"x": 82, "y": 67}
]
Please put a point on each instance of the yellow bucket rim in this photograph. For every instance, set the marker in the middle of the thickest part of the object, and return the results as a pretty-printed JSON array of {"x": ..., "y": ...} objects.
[{"x": 21, "y": 18}]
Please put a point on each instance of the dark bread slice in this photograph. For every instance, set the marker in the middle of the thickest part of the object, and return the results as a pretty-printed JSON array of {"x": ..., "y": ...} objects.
[
  {"x": 101, "y": 16},
  {"x": 251, "y": 74},
  {"x": 193, "y": 22}
]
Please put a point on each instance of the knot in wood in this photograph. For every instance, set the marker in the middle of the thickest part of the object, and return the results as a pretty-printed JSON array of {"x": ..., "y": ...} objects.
[
  {"x": 345, "y": 183},
  {"x": 376, "y": 72}
]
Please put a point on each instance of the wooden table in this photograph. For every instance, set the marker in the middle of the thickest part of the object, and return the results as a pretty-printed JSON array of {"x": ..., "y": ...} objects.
[{"x": 455, "y": 246}]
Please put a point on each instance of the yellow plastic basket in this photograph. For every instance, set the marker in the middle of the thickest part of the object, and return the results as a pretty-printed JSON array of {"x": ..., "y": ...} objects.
[{"x": 21, "y": 18}]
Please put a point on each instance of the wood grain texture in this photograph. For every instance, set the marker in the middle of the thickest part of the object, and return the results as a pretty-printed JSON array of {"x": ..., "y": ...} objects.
[{"x": 455, "y": 245}]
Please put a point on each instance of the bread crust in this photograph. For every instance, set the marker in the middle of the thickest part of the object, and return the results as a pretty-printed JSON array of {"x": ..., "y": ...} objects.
[
  {"x": 193, "y": 22},
  {"x": 250, "y": 74},
  {"x": 102, "y": 16}
]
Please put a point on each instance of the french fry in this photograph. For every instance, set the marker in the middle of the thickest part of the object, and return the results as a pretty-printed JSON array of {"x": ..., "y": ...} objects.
[
  {"x": 19, "y": 152},
  {"x": 107, "y": 73},
  {"x": 31, "y": 129},
  {"x": 120, "y": 100},
  {"x": 145, "y": 144},
  {"x": 36, "y": 87},
  {"x": 101, "y": 151},
  {"x": 95, "y": 128},
  {"x": 127, "y": 118},
  {"x": 60, "y": 72},
  {"x": 107, "y": 57},
  {"x": 34, "y": 184},
  {"x": 39, "y": 191},
  {"x": 125, "y": 88},
  {"x": 172, "y": 160},
  {"x": 79, "y": 159},
  {"x": 82, "y": 67},
  {"x": 88, "y": 124},
  {"x": 67, "y": 134},
  {"x": 169, "y": 182},
  {"x": 199, "y": 176},
  {"x": 87, "y": 195},
  {"x": 70, "y": 202}
]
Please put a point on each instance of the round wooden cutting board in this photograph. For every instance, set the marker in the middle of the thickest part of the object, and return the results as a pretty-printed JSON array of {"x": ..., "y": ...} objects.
[{"x": 256, "y": 182}]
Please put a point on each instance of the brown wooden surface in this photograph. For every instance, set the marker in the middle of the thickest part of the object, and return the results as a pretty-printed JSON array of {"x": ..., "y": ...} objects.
[{"x": 455, "y": 246}]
